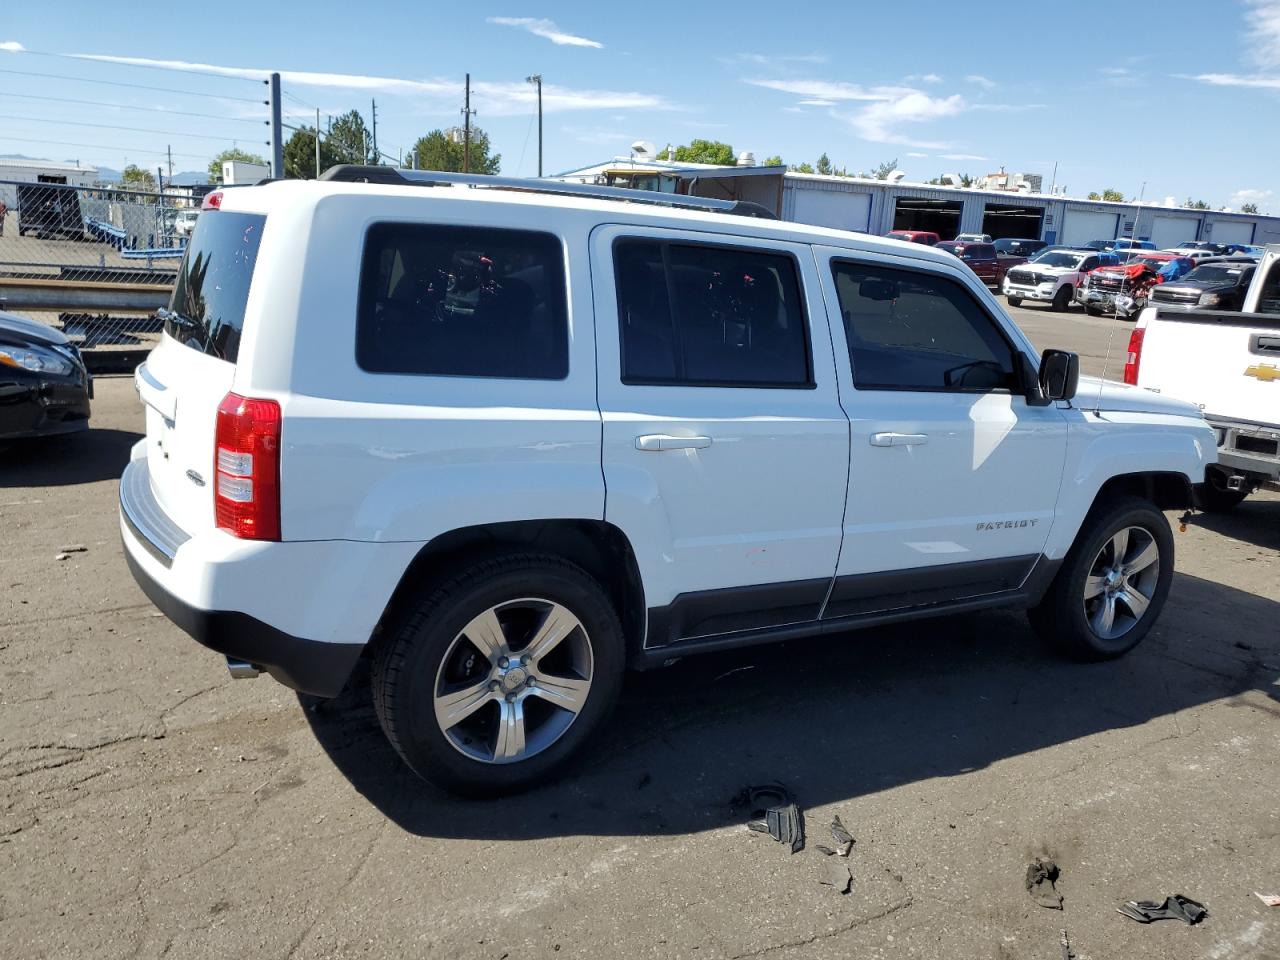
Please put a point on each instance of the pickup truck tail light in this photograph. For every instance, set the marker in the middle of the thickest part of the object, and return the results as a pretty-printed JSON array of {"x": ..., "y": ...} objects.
[
  {"x": 246, "y": 468},
  {"x": 1134, "y": 358}
]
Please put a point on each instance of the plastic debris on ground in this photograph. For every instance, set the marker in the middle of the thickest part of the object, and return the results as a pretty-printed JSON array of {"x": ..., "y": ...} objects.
[
  {"x": 837, "y": 873},
  {"x": 774, "y": 811},
  {"x": 1042, "y": 877},
  {"x": 1176, "y": 907},
  {"x": 1270, "y": 899},
  {"x": 842, "y": 837}
]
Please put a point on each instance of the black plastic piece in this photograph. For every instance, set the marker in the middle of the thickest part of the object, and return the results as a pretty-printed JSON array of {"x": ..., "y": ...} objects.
[
  {"x": 774, "y": 811},
  {"x": 1176, "y": 907},
  {"x": 308, "y": 666},
  {"x": 1042, "y": 877}
]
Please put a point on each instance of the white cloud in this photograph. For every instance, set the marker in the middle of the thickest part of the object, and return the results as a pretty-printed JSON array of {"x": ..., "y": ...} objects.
[
  {"x": 1233, "y": 80},
  {"x": 979, "y": 80},
  {"x": 924, "y": 78},
  {"x": 1114, "y": 71},
  {"x": 1263, "y": 20},
  {"x": 495, "y": 99},
  {"x": 12, "y": 46},
  {"x": 817, "y": 103},
  {"x": 917, "y": 155},
  {"x": 545, "y": 29},
  {"x": 878, "y": 122},
  {"x": 831, "y": 90},
  {"x": 621, "y": 139},
  {"x": 775, "y": 59},
  {"x": 961, "y": 156},
  {"x": 1259, "y": 197}
]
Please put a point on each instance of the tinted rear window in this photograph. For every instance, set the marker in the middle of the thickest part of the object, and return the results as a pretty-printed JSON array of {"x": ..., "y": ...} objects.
[
  {"x": 453, "y": 301},
  {"x": 206, "y": 311}
]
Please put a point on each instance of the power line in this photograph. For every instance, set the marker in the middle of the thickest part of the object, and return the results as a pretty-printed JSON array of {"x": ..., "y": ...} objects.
[
  {"x": 134, "y": 86},
  {"x": 114, "y": 126},
  {"x": 128, "y": 106},
  {"x": 122, "y": 62},
  {"x": 124, "y": 151}
]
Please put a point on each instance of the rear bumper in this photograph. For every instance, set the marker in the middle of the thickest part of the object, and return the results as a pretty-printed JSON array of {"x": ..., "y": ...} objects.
[
  {"x": 1261, "y": 464},
  {"x": 302, "y": 611}
]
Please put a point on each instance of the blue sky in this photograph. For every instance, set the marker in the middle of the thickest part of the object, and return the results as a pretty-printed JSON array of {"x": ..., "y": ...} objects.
[{"x": 1096, "y": 86}]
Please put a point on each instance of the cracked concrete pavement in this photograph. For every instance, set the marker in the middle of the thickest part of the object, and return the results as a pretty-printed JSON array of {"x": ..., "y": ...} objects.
[{"x": 151, "y": 807}]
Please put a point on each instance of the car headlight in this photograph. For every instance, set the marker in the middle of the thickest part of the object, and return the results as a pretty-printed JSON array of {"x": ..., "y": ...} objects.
[
  {"x": 1210, "y": 299},
  {"x": 36, "y": 359}
]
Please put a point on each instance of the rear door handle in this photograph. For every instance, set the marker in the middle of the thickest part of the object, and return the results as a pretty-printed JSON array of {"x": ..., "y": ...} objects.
[
  {"x": 660, "y": 441},
  {"x": 155, "y": 394},
  {"x": 898, "y": 439}
]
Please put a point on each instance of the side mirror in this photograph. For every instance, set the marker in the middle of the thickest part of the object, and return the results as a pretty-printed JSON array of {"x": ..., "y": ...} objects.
[{"x": 1059, "y": 374}]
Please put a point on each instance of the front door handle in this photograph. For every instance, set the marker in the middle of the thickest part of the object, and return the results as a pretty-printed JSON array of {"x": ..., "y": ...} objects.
[
  {"x": 660, "y": 441},
  {"x": 898, "y": 439}
]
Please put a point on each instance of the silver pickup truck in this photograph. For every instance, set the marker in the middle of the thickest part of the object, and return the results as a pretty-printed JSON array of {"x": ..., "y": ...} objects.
[{"x": 1228, "y": 364}]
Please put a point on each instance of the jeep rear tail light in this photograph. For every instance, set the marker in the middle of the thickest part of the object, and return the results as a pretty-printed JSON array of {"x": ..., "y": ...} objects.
[
  {"x": 1134, "y": 358},
  {"x": 212, "y": 201},
  {"x": 246, "y": 468}
]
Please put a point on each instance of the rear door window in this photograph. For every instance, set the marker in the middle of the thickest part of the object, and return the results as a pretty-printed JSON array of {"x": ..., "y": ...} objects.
[
  {"x": 454, "y": 301},
  {"x": 206, "y": 311}
]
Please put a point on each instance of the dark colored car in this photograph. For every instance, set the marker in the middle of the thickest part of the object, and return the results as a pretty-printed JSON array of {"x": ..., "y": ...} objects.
[
  {"x": 981, "y": 259},
  {"x": 1010, "y": 247},
  {"x": 49, "y": 210},
  {"x": 1213, "y": 284},
  {"x": 1098, "y": 245},
  {"x": 44, "y": 386},
  {"x": 927, "y": 237}
]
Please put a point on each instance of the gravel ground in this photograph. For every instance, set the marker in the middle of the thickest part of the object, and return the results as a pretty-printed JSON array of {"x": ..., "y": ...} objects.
[{"x": 150, "y": 807}]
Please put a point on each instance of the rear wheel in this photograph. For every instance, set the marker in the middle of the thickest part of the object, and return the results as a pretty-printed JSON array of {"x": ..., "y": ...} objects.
[
  {"x": 500, "y": 675},
  {"x": 1112, "y": 584},
  {"x": 1214, "y": 496},
  {"x": 1062, "y": 299},
  {"x": 1093, "y": 311},
  {"x": 1014, "y": 301}
]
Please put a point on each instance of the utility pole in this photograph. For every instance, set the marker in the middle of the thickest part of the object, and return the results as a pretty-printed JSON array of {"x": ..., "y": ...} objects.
[
  {"x": 1054, "y": 182},
  {"x": 536, "y": 80},
  {"x": 373, "y": 113},
  {"x": 317, "y": 143},
  {"x": 169, "y": 150},
  {"x": 277, "y": 139},
  {"x": 364, "y": 146},
  {"x": 466, "y": 128}
]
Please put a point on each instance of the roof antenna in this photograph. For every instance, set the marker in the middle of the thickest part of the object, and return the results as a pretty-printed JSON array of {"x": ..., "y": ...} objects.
[{"x": 1124, "y": 277}]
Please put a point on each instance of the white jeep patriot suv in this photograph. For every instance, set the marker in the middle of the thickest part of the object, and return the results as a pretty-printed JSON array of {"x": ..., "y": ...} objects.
[{"x": 510, "y": 437}]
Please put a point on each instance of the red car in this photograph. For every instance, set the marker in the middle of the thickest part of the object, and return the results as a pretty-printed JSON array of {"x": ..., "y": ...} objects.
[
  {"x": 1124, "y": 288},
  {"x": 982, "y": 259},
  {"x": 915, "y": 236}
]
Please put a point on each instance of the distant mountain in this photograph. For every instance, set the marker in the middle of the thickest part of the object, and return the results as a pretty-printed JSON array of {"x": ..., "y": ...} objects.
[{"x": 188, "y": 178}]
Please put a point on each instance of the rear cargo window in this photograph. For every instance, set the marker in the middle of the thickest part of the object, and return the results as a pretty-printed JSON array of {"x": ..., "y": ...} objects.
[
  {"x": 207, "y": 309},
  {"x": 462, "y": 302}
]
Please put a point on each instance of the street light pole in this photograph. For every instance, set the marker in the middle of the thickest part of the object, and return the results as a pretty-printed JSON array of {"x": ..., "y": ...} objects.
[{"x": 536, "y": 80}]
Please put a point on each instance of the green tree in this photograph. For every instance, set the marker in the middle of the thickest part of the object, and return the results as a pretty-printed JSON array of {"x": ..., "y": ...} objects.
[
  {"x": 802, "y": 168},
  {"x": 235, "y": 153},
  {"x": 706, "y": 151},
  {"x": 882, "y": 171},
  {"x": 823, "y": 165},
  {"x": 774, "y": 161},
  {"x": 1248, "y": 208},
  {"x": 966, "y": 180},
  {"x": 134, "y": 176},
  {"x": 300, "y": 155},
  {"x": 351, "y": 140},
  {"x": 1094, "y": 195},
  {"x": 1196, "y": 204},
  {"x": 1112, "y": 196},
  {"x": 444, "y": 150}
]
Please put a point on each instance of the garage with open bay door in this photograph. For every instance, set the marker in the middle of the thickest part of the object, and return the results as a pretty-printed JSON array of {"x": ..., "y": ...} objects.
[
  {"x": 1081, "y": 226},
  {"x": 1018, "y": 221},
  {"x": 1169, "y": 229},
  {"x": 923, "y": 213},
  {"x": 833, "y": 208}
]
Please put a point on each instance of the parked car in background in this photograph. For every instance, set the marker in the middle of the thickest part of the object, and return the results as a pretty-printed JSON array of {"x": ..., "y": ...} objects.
[
  {"x": 1121, "y": 244},
  {"x": 1098, "y": 245},
  {"x": 44, "y": 386},
  {"x": 1009, "y": 247},
  {"x": 1228, "y": 364},
  {"x": 974, "y": 237},
  {"x": 442, "y": 475},
  {"x": 926, "y": 237},
  {"x": 185, "y": 222},
  {"x": 981, "y": 259},
  {"x": 1123, "y": 288},
  {"x": 1217, "y": 284},
  {"x": 1052, "y": 276},
  {"x": 1194, "y": 252}
]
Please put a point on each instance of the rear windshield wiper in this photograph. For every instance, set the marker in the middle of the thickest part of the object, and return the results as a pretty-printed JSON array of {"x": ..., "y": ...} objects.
[{"x": 176, "y": 318}]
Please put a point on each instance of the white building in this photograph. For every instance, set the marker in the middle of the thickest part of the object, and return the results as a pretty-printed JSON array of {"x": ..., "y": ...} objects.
[{"x": 13, "y": 172}]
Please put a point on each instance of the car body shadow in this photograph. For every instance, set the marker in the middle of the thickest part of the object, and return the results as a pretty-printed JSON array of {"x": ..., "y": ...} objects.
[
  {"x": 1256, "y": 521},
  {"x": 834, "y": 718},
  {"x": 85, "y": 457}
]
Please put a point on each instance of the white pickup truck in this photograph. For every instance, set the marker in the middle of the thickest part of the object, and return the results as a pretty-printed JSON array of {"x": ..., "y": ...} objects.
[{"x": 1228, "y": 364}]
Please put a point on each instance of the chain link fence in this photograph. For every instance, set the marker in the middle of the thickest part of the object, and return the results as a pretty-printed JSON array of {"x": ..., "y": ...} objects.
[{"x": 95, "y": 262}]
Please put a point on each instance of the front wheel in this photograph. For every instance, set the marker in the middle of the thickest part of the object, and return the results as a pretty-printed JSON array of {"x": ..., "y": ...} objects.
[
  {"x": 1014, "y": 301},
  {"x": 1112, "y": 584},
  {"x": 500, "y": 675},
  {"x": 1062, "y": 299},
  {"x": 1093, "y": 311}
]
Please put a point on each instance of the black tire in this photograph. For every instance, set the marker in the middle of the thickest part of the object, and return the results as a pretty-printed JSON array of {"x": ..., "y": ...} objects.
[
  {"x": 1014, "y": 301},
  {"x": 409, "y": 660},
  {"x": 1093, "y": 311},
  {"x": 1212, "y": 496},
  {"x": 1062, "y": 299},
  {"x": 1060, "y": 616}
]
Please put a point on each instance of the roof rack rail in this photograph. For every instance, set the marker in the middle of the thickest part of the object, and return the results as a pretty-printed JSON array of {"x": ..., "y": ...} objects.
[{"x": 355, "y": 173}]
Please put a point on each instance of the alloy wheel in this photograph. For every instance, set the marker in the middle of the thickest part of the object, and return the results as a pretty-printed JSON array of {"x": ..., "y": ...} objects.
[{"x": 1121, "y": 582}]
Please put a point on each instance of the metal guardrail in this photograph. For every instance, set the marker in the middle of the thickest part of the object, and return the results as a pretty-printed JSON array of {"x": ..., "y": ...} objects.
[{"x": 93, "y": 261}]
